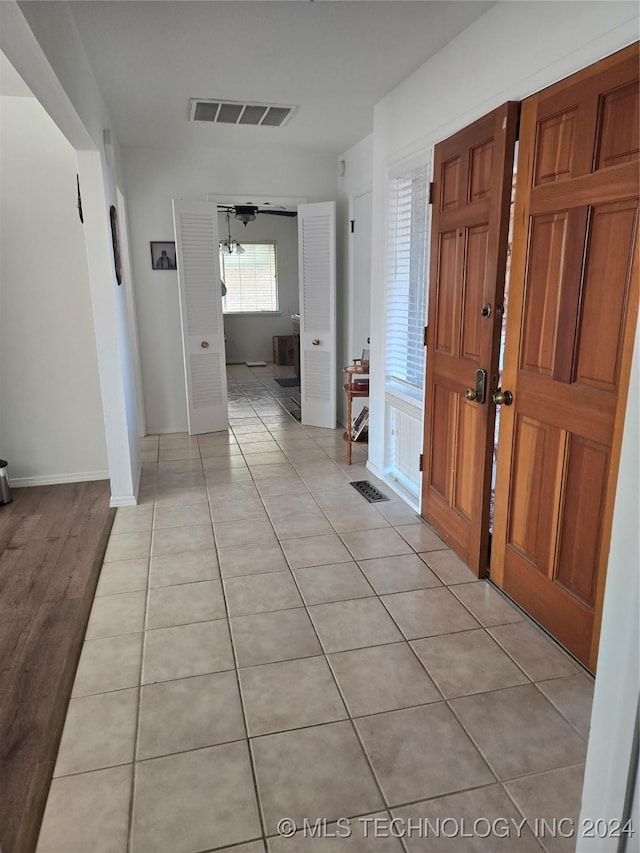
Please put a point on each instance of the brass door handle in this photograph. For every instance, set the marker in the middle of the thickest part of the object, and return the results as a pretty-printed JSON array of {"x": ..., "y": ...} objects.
[
  {"x": 205, "y": 344},
  {"x": 479, "y": 393},
  {"x": 315, "y": 342},
  {"x": 502, "y": 398}
]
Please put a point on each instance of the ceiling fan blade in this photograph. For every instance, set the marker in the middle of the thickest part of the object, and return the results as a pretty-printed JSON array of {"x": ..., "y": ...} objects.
[
  {"x": 279, "y": 212},
  {"x": 250, "y": 210}
]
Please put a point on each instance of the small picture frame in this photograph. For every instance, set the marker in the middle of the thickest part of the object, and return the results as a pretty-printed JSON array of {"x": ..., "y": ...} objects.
[
  {"x": 163, "y": 255},
  {"x": 365, "y": 358},
  {"x": 115, "y": 243}
]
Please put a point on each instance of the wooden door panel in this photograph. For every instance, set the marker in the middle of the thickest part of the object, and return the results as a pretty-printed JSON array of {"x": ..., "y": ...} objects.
[
  {"x": 481, "y": 168},
  {"x": 552, "y": 295},
  {"x": 547, "y": 251},
  {"x": 534, "y": 467},
  {"x": 572, "y": 620},
  {"x": 439, "y": 450},
  {"x": 472, "y": 189},
  {"x": 581, "y": 509},
  {"x": 556, "y": 147},
  {"x": 473, "y": 281},
  {"x": 467, "y": 437},
  {"x": 446, "y": 292},
  {"x": 620, "y": 122},
  {"x": 450, "y": 184},
  {"x": 573, "y": 310},
  {"x": 453, "y": 447},
  {"x": 605, "y": 294}
]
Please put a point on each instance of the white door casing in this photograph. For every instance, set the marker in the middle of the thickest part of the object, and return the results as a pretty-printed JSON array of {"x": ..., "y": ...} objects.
[
  {"x": 360, "y": 301},
  {"x": 317, "y": 281},
  {"x": 198, "y": 263}
]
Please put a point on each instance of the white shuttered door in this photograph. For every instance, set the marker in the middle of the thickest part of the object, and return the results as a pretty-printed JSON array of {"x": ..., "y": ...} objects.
[
  {"x": 317, "y": 273},
  {"x": 198, "y": 261}
]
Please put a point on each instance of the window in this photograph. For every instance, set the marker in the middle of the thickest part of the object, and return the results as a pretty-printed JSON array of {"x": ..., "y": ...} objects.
[
  {"x": 407, "y": 259},
  {"x": 251, "y": 279}
]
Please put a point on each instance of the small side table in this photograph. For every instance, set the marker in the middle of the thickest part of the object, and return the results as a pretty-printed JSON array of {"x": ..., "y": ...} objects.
[{"x": 355, "y": 387}]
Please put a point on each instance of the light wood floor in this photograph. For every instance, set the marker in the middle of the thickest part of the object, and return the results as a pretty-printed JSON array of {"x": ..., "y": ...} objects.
[{"x": 52, "y": 541}]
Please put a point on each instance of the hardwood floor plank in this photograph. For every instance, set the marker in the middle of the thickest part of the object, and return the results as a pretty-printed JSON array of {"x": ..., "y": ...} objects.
[{"x": 52, "y": 543}]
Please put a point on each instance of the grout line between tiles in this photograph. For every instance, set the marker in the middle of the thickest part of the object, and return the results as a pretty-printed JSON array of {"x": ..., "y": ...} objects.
[
  {"x": 256, "y": 483},
  {"x": 136, "y": 730},
  {"x": 254, "y": 776}
]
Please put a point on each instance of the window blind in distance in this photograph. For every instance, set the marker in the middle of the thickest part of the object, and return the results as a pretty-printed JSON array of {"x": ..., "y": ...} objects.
[{"x": 250, "y": 279}]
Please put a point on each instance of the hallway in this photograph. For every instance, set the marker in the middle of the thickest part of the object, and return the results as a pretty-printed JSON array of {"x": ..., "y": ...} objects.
[{"x": 264, "y": 644}]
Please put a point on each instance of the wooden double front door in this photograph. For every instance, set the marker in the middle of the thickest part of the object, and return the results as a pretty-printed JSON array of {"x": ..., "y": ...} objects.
[{"x": 569, "y": 333}]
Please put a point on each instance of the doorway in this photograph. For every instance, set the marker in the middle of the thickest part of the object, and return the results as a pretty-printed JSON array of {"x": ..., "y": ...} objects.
[{"x": 503, "y": 339}]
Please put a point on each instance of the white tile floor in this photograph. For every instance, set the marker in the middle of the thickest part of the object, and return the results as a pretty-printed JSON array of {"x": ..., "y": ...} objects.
[{"x": 265, "y": 644}]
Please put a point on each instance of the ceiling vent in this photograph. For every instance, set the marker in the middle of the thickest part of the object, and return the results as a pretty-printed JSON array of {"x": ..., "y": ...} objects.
[{"x": 233, "y": 112}]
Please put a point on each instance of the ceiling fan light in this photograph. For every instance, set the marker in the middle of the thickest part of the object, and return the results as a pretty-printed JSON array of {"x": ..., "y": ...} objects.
[
  {"x": 230, "y": 245},
  {"x": 244, "y": 217}
]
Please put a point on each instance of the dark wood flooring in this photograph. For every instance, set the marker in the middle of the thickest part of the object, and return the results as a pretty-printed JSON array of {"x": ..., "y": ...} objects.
[{"x": 52, "y": 541}]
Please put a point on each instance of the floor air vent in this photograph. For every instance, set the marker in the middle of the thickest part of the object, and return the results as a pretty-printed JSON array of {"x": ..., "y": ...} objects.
[{"x": 369, "y": 491}]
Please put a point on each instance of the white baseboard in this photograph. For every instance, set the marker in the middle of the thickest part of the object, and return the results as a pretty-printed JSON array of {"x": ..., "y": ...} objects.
[
  {"x": 374, "y": 469},
  {"x": 56, "y": 479},
  {"x": 401, "y": 491},
  {"x": 123, "y": 500},
  {"x": 128, "y": 500},
  {"x": 168, "y": 430}
]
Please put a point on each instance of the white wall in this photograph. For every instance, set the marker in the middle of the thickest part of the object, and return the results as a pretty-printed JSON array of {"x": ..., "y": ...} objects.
[
  {"x": 510, "y": 52},
  {"x": 152, "y": 178},
  {"x": 358, "y": 168},
  {"x": 357, "y": 179},
  {"x": 51, "y": 418},
  {"x": 250, "y": 338},
  {"x": 615, "y": 701},
  {"x": 42, "y": 42}
]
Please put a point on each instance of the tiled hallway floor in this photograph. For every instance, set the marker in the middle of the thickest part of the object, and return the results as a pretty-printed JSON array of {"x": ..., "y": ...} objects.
[{"x": 264, "y": 644}]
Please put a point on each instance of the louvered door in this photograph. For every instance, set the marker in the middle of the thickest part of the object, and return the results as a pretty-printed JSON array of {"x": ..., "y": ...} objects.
[
  {"x": 199, "y": 285},
  {"x": 573, "y": 305},
  {"x": 317, "y": 281}
]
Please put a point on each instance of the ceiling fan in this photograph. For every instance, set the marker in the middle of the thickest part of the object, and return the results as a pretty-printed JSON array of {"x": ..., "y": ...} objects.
[{"x": 247, "y": 212}]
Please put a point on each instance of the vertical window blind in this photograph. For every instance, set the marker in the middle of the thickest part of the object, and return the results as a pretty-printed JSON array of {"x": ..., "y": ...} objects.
[
  {"x": 250, "y": 279},
  {"x": 407, "y": 259}
]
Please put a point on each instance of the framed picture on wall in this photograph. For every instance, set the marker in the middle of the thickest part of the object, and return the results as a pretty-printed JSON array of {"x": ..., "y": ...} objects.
[
  {"x": 115, "y": 243},
  {"x": 163, "y": 255}
]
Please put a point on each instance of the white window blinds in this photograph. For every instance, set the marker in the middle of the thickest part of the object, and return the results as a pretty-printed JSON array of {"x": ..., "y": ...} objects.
[
  {"x": 250, "y": 279},
  {"x": 407, "y": 259}
]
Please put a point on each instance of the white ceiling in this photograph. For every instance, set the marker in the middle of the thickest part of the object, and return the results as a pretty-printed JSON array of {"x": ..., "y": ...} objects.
[{"x": 334, "y": 59}]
